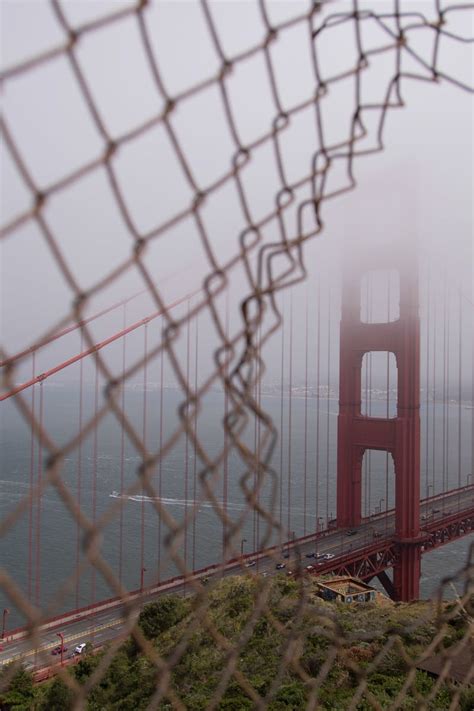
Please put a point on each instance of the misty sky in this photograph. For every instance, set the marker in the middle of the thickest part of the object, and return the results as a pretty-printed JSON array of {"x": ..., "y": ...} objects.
[{"x": 420, "y": 187}]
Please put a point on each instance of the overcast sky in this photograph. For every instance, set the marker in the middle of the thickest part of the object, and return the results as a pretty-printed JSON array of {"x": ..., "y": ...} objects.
[{"x": 420, "y": 187}]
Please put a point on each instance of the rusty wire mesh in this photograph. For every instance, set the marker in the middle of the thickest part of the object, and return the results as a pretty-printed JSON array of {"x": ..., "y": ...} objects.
[{"x": 270, "y": 266}]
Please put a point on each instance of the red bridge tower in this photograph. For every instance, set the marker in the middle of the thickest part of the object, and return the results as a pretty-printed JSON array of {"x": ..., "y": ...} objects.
[{"x": 399, "y": 435}]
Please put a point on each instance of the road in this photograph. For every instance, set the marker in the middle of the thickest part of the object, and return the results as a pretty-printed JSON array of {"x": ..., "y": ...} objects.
[{"x": 108, "y": 624}]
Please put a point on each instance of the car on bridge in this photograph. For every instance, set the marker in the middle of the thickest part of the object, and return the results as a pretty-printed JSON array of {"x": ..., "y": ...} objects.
[
  {"x": 328, "y": 556},
  {"x": 80, "y": 648},
  {"x": 57, "y": 650},
  {"x": 280, "y": 566},
  {"x": 351, "y": 532}
]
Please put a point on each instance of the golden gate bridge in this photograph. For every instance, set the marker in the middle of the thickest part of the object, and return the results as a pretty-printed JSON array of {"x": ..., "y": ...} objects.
[{"x": 348, "y": 531}]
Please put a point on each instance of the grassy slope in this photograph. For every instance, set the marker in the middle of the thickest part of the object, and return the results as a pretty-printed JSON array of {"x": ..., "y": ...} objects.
[{"x": 280, "y": 651}]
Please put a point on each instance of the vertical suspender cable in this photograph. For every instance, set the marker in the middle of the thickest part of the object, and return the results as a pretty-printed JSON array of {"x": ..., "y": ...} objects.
[
  {"x": 226, "y": 440},
  {"x": 79, "y": 469},
  {"x": 368, "y": 401},
  {"x": 433, "y": 443},
  {"x": 448, "y": 384},
  {"x": 460, "y": 364},
  {"x": 95, "y": 462},
  {"x": 328, "y": 402},
  {"x": 259, "y": 404},
  {"x": 186, "y": 439},
  {"x": 38, "y": 498},
  {"x": 370, "y": 305},
  {"x": 427, "y": 386},
  {"x": 305, "y": 454},
  {"x": 318, "y": 399},
  {"x": 290, "y": 415},
  {"x": 387, "y": 413},
  {"x": 255, "y": 466},
  {"x": 443, "y": 458},
  {"x": 122, "y": 447},
  {"x": 472, "y": 398},
  {"x": 94, "y": 471},
  {"x": 32, "y": 469},
  {"x": 282, "y": 372},
  {"x": 387, "y": 453},
  {"x": 445, "y": 383},
  {"x": 195, "y": 495},
  {"x": 160, "y": 461},
  {"x": 144, "y": 441},
  {"x": 366, "y": 456}
]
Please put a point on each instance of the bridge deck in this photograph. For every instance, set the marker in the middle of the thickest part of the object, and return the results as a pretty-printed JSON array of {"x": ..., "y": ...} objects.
[{"x": 370, "y": 551}]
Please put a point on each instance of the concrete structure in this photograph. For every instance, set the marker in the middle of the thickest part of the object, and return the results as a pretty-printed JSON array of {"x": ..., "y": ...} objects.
[{"x": 347, "y": 590}]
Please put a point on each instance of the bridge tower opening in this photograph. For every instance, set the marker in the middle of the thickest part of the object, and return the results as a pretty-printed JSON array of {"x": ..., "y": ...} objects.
[{"x": 400, "y": 435}]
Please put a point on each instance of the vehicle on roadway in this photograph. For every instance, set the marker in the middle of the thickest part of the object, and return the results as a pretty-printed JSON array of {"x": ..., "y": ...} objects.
[
  {"x": 80, "y": 648},
  {"x": 309, "y": 568},
  {"x": 310, "y": 555},
  {"x": 328, "y": 556},
  {"x": 280, "y": 566},
  {"x": 351, "y": 532},
  {"x": 57, "y": 650},
  {"x": 250, "y": 564}
]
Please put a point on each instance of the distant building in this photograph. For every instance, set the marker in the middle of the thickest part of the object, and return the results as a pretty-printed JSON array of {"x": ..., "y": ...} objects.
[
  {"x": 346, "y": 590},
  {"x": 455, "y": 663}
]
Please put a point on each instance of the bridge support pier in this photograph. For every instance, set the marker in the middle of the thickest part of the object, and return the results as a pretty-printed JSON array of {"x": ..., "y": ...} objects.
[
  {"x": 387, "y": 584},
  {"x": 400, "y": 435},
  {"x": 406, "y": 572}
]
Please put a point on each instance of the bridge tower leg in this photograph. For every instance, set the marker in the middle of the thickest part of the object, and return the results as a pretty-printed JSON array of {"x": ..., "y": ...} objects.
[{"x": 399, "y": 435}]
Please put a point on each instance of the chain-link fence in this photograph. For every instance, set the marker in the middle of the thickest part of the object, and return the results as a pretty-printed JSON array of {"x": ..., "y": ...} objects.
[{"x": 268, "y": 254}]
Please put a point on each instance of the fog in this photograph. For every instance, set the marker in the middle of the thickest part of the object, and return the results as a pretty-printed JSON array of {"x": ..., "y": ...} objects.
[{"x": 417, "y": 192}]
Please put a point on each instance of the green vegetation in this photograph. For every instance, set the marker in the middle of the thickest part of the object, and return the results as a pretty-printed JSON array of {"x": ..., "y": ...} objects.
[
  {"x": 20, "y": 694},
  {"x": 278, "y": 635}
]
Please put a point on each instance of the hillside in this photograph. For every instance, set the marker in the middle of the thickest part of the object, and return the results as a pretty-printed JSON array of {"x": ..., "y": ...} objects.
[{"x": 283, "y": 643}]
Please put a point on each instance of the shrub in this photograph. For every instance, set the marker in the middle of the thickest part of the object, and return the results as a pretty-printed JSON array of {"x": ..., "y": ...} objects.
[
  {"x": 159, "y": 616},
  {"x": 290, "y": 696},
  {"x": 59, "y": 697},
  {"x": 466, "y": 702},
  {"x": 20, "y": 694}
]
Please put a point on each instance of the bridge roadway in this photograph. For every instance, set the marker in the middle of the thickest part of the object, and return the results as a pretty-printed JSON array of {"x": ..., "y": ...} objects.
[{"x": 107, "y": 624}]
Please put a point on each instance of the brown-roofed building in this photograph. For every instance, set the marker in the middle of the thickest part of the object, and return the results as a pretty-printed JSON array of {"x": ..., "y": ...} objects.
[
  {"x": 346, "y": 589},
  {"x": 457, "y": 660}
]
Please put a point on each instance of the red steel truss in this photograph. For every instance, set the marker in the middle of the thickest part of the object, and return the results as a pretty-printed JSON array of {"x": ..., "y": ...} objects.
[
  {"x": 449, "y": 528},
  {"x": 372, "y": 561},
  {"x": 365, "y": 563}
]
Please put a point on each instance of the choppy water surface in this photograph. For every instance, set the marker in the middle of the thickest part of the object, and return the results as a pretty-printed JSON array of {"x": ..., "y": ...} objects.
[{"x": 312, "y": 492}]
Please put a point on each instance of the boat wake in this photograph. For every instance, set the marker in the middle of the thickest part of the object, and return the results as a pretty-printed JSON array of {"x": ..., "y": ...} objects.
[{"x": 137, "y": 498}]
